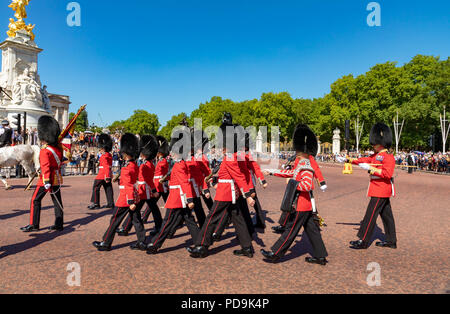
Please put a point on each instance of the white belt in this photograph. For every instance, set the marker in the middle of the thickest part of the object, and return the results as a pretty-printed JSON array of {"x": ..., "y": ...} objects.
[
  {"x": 158, "y": 177},
  {"x": 182, "y": 196},
  {"x": 141, "y": 182},
  {"x": 194, "y": 184},
  {"x": 101, "y": 167},
  {"x": 233, "y": 190},
  {"x": 122, "y": 187}
]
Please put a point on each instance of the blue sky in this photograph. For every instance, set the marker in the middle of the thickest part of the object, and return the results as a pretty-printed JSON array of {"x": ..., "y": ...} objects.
[{"x": 169, "y": 56}]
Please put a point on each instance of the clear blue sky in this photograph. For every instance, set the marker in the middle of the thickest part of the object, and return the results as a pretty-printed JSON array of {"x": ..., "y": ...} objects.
[{"x": 169, "y": 56}]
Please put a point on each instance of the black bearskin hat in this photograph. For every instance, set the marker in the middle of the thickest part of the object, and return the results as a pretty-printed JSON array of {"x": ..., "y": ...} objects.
[
  {"x": 181, "y": 142},
  {"x": 48, "y": 130},
  {"x": 163, "y": 146},
  {"x": 149, "y": 146},
  {"x": 129, "y": 144},
  {"x": 227, "y": 119},
  {"x": 381, "y": 134},
  {"x": 233, "y": 137},
  {"x": 305, "y": 140},
  {"x": 200, "y": 141},
  {"x": 105, "y": 142}
]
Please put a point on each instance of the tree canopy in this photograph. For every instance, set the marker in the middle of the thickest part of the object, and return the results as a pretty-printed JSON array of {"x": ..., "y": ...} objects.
[{"x": 418, "y": 91}]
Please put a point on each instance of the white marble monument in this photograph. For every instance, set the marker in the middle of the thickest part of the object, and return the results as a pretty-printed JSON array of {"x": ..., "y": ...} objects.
[
  {"x": 336, "y": 141},
  {"x": 20, "y": 80}
]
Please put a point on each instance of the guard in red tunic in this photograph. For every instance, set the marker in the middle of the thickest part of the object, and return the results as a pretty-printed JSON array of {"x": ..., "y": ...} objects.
[
  {"x": 381, "y": 166},
  {"x": 232, "y": 183},
  {"x": 297, "y": 201},
  {"x": 162, "y": 169},
  {"x": 128, "y": 197},
  {"x": 180, "y": 202},
  {"x": 104, "y": 175},
  {"x": 50, "y": 179},
  {"x": 285, "y": 216},
  {"x": 146, "y": 186}
]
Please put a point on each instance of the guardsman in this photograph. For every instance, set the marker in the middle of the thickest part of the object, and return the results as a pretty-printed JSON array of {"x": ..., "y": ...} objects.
[
  {"x": 104, "y": 175},
  {"x": 146, "y": 186},
  {"x": 128, "y": 197},
  {"x": 285, "y": 216},
  {"x": 232, "y": 182},
  {"x": 297, "y": 200},
  {"x": 50, "y": 179},
  {"x": 162, "y": 169},
  {"x": 381, "y": 166},
  {"x": 180, "y": 202}
]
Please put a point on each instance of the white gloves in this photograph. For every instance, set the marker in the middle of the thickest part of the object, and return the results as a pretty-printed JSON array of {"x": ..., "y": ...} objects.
[
  {"x": 324, "y": 188},
  {"x": 364, "y": 166},
  {"x": 341, "y": 159},
  {"x": 48, "y": 186}
]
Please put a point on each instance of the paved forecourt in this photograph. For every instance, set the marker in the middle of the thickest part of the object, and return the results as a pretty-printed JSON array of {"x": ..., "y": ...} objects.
[{"x": 38, "y": 262}]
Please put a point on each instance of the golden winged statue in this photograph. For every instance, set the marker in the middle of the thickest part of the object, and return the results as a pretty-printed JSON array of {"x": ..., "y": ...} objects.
[{"x": 19, "y": 6}]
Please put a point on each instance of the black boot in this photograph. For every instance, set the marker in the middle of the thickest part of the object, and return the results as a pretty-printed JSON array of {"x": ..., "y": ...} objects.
[
  {"x": 141, "y": 246},
  {"x": 386, "y": 244},
  {"x": 29, "y": 228},
  {"x": 199, "y": 252},
  {"x": 216, "y": 237},
  {"x": 321, "y": 261},
  {"x": 151, "y": 249},
  {"x": 56, "y": 228},
  {"x": 101, "y": 246},
  {"x": 94, "y": 206},
  {"x": 122, "y": 232},
  {"x": 278, "y": 229},
  {"x": 244, "y": 252},
  {"x": 269, "y": 255},
  {"x": 154, "y": 232},
  {"x": 359, "y": 245}
]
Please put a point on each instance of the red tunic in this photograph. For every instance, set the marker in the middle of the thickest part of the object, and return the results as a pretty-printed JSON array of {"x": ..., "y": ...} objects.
[
  {"x": 104, "y": 171},
  {"x": 146, "y": 186},
  {"x": 234, "y": 179},
  {"x": 255, "y": 169},
  {"x": 380, "y": 185},
  {"x": 128, "y": 179},
  {"x": 304, "y": 174},
  {"x": 197, "y": 174},
  {"x": 162, "y": 168},
  {"x": 180, "y": 188},
  {"x": 50, "y": 159}
]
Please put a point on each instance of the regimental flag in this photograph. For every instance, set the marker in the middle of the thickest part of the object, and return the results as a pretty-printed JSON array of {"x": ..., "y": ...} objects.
[{"x": 65, "y": 138}]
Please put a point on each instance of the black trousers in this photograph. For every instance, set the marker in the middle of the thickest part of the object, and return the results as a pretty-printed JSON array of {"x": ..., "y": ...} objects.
[
  {"x": 378, "y": 206},
  {"x": 306, "y": 220},
  {"x": 152, "y": 208},
  {"x": 118, "y": 216},
  {"x": 95, "y": 198},
  {"x": 204, "y": 238},
  {"x": 36, "y": 200},
  {"x": 199, "y": 212},
  {"x": 260, "y": 216},
  {"x": 225, "y": 219},
  {"x": 171, "y": 222},
  {"x": 208, "y": 201},
  {"x": 284, "y": 218}
]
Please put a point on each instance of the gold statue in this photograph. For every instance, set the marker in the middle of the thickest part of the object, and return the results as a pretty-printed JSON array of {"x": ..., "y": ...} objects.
[{"x": 19, "y": 6}]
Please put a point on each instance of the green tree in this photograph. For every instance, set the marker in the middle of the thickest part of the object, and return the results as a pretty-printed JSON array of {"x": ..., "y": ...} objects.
[
  {"x": 166, "y": 131},
  {"x": 82, "y": 123}
]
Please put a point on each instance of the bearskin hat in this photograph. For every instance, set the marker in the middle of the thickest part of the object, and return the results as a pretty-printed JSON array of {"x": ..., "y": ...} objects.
[
  {"x": 305, "y": 140},
  {"x": 227, "y": 119},
  {"x": 233, "y": 137},
  {"x": 129, "y": 144},
  {"x": 149, "y": 146},
  {"x": 381, "y": 134},
  {"x": 105, "y": 142},
  {"x": 200, "y": 141},
  {"x": 49, "y": 130},
  {"x": 163, "y": 146},
  {"x": 181, "y": 142}
]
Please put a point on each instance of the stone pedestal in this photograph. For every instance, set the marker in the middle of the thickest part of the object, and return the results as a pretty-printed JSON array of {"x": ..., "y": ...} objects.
[
  {"x": 336, "y": 142},
  {"x": 20, "y": 79}
]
